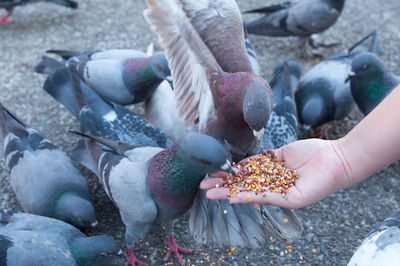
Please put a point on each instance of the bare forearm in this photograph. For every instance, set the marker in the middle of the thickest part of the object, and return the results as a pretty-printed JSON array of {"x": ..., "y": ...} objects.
[{"x": 374, "y": 142}]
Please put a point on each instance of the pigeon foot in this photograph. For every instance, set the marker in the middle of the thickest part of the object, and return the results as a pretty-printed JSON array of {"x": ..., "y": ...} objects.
[
  {"x": 322, "y": 134},
  {"x": 175, "y": 248},
  {"x": 132, "y": 260},
  {"x": 4, "y": 19}
]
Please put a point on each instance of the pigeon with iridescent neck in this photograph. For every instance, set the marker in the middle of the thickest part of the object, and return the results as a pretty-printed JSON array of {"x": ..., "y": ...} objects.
[
  {"x": 99, "y": 117},
  {"x": 218, "y": 93},
  {"x": 152, "y": 185},
  {"x": 44, "y": 179},
  {"x": 370, "y": 81},
  {"x": 9, "y": 5},
  {"x": 27, "y": 239},
  {"x": 323, "y": 93},
  {"x": 122, "y": 76}
]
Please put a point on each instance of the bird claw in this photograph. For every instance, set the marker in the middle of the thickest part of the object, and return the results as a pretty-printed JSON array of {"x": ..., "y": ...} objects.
[
  {"x": 132, "y": 260},
  {"x": 322, "y": 134},
  {"x": 175, "y": 248},
  {"x": 4, "y": 19}
]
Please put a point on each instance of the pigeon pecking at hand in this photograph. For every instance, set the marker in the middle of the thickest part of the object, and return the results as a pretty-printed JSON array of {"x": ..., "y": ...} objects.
[
  {"x": 120, "y": 75},
  {"x": 323, "y": 93},
  {"x": 43, "y": 177},
  {"x": 153, "y": 185},
  {"x": 370, "y": 82},
  {"x": 300, "y": 18},
  {"x": 27, "y": 239},
  {"x": 218, "y": 93},
  {"x": 10, "y": 4}
]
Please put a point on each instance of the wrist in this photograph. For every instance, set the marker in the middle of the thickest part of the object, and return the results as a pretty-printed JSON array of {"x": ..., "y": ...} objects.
[{"x": 344, "y": 176}]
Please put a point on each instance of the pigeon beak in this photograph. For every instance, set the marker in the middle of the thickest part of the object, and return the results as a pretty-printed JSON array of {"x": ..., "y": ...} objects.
[
  {"x": 351, "y": 74},
  {"x": 227, "y": 167},
  {"x": 169, "y": 79}
]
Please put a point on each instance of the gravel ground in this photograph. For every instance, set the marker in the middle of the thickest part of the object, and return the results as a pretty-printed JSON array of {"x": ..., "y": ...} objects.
[{"x": 333, "y": 228}]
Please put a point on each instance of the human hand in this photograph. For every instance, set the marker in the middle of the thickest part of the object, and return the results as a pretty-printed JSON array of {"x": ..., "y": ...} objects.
[{"x": 321, "y": 167}]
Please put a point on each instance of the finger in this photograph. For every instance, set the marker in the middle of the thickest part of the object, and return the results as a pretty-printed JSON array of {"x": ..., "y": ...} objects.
[
  {"x": 210, "y": 183},
  {"x": 219, "y": 174},
  {"x": 266, "y": 198},
  {"x": 218, "y": 193}
]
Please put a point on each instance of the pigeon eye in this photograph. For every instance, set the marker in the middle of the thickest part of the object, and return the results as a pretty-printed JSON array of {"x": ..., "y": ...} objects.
[
  {"x": 159, "y": 68},
  {"x": 205, "y": 161},
  {"x": 365, "y": 67}
]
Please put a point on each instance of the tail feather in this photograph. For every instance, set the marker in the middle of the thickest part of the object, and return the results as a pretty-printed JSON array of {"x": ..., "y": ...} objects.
[
  {"x": 60, "y": 87},
  {"x": 64, "y": 54},
  {"x": 80, "y": 154},
  {"x": 47, "y": 66},
  {"x": 11, "y": 123},
  {"x": 67, "y": 3}
]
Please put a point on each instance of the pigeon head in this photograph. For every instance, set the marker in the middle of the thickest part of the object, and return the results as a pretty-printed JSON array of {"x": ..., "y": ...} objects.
[
  {"x": 75, "y": 210},
  {"x": 95, "y": 250},
  {"x": 159, "y": 65},
  {"x": 205, "y": 153},
  {"x": 366, "y": 66},
  {"x": 257, "y": 103}
]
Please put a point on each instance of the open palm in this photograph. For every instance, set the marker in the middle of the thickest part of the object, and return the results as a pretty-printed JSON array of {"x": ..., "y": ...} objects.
[{"x": 320, "y": 168}]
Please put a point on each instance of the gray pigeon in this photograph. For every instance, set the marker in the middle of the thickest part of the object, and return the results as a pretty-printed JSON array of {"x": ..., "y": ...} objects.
[
  {"x": 370, "y": 81},
  {"x": 323, "y": 94},
  {"x": 282, "y": 127},
  {"x": 300, "y": 18},
  {"x": 27, "y": 239},
  {"x": 10, "y": 4},
  {"x": 381, "y": 246},
  {"x": 120, "y": 75},
  {"x": 97, "y": 116},
  {"x": 151, "y": 185},
  {"x": 218, "y": 93},
  {"x": 43, "y": 177}
]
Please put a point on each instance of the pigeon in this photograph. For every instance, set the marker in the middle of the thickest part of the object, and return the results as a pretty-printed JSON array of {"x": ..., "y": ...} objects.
[
  {"x": 10, "y": 4},
  {"x": 122, "y": 76},
  {"x": 43, "y": 177},
  {"x": 99, "y": 117},
  {"x": 370, "y": 81},
  {"x": 300, "y": 18},
  {"x": 27, "y": 239},
  {"x": 151, "y": 185},
  {"x": 323, "y": 94},
  {"x": 381, "y": 246},
  {"x": 282, "y": 127},
  {"x": 218, "y": 93}
]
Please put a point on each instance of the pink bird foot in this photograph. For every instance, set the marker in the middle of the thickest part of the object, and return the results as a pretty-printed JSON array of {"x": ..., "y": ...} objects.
[
  {"x": 4, "y": 19},
  {"x": 132, "y": 260},
  {"x": 322, "y": 134},
  {"x": 173, "y": 247}
]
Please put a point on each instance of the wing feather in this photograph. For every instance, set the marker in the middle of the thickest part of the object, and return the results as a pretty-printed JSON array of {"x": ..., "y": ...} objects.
[{"x": 191, "y": 62}]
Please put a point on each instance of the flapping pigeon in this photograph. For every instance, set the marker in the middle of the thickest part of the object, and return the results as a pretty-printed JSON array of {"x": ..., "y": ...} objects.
[
  {"x": 323, "y": 94},
  {"x": 43, "y": 177},
  {"x": 10, "y": 4},
  {"x": 218, "y": 94},
  {"x": 27, "y": 239},
  {"x": 300, "y": 18},
  {"x": 97, "y": 116},
  {"x": 370, "y": 81},
  {"x": 120, "y": 75},
  {"x": 282, "y": 127},
  {"x": 381, "y": 246},
  {"x": 151, "y": 185}
]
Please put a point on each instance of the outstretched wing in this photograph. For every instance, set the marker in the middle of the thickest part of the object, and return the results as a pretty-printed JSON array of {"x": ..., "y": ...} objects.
[
  {"x": 220, "y": 25},
  {"x": 191, "y": 62}
]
